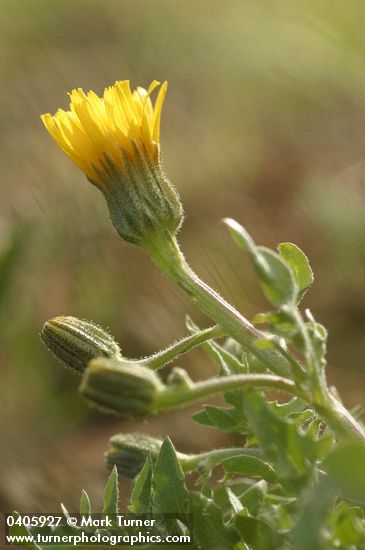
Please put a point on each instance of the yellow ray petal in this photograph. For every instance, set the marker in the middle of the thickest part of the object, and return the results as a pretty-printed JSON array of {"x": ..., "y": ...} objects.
[
  {"x": 157, "y": 112},
  {"x": 117, "y": 122}
]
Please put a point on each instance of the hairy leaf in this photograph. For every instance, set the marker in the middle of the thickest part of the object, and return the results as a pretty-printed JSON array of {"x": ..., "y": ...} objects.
[{"x": 169, "y": 491}]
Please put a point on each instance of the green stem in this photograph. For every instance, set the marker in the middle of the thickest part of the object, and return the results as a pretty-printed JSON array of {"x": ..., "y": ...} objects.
[
  {"x": 167, "y": 355},
  {"x": 174, "y": 396},
  {"x": 171, "y": 261},
  {"x": 342, "y": 417},
  {"x": 297, "y": 369},
  {"x": 335, "y": 414},
  {"x": 168, "y": 256},
  {"x": 338, "y": 417}
]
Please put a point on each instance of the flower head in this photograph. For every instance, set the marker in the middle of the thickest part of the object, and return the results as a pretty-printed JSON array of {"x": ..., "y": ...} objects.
[
  {"x": 113, "y": 126},
  {"x": 75, "y": 342},
  {"x": 115, "y": 140},
  {"x": 129, "y": 452},
  {"x": 130, "y": 391}
]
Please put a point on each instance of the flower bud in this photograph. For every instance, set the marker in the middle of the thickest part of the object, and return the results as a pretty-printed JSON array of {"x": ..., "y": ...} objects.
[
  {"x": 75, "y": 342},
  {"x": 129, "y": 452},
  {"x": 127, "y": 390},
  {"x": 179, "y": 379}
]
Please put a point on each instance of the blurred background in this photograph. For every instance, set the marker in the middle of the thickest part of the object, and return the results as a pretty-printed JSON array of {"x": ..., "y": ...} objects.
[{"x": 264, "y": 122}]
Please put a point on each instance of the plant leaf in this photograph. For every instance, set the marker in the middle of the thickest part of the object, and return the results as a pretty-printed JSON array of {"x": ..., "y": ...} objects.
[
  {"x": 234, "y": 501},
  {"x": 85, "y": 506},
  {"x": 228, "y": 363},
  {"x": 257, "y": 533},
  {"x": 275, "y": 277},
  {"x": 168, "y": 482},
  {"x": 254, "y": 497},
  {"x": 225, "y": 419},
  {"x": 292, "y": 452},
  {"x": 141, "y": 497},
  {"x": 210, "y": 531},
  {"x": 21, "y": 531},
  {"x": 346, "y": 472},
  {"x": 299, "y": 264},
  {"x": 111, "y": 494},
  {"x": 249, "y": 466}
]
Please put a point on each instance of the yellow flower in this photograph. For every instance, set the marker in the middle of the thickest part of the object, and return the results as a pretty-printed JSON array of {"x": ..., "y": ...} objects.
[
  {"x": 115, "y": 140},
  {"x": 114, "y": 126}
]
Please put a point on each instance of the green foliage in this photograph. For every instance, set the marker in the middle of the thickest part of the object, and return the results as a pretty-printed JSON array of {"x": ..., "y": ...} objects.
[
  {"x": 168, "y": 496},
  {"x": 227, "y": 361},
  {"x": 226, "y": 420},
  {"x": 297, "y": 481},
  {"x": 111, "y": 494},
  {"x": 249, "y": 466},
  {"x": 85, "y": 506},
  {"x": 257, "y": 533},
  {"x": 210, "y": 529},
  {"x": 275, "y": 276},
  {"x": 292, "y": 451},
  {"x": 141, "y": 497},
  {"x": 350, "y": 482},
  {"x": 299, "y": 264}
]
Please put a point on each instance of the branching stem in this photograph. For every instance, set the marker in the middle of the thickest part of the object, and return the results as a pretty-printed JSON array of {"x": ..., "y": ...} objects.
[{"x": 168, "y": 256}]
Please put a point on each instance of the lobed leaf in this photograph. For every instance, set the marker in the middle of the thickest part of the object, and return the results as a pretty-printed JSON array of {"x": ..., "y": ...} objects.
[{"x": 291, "y": 451}]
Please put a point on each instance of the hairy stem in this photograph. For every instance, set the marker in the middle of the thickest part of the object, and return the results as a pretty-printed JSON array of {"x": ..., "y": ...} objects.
[
  {"x": 337, "y": 416},
  {"x": 167, "y": 355},
  {"x": 176, "y": 395},
  {"x": 330, "y": 409},
  {"x": 168, "y": 256},
  {"x": 171, "y": 261}
]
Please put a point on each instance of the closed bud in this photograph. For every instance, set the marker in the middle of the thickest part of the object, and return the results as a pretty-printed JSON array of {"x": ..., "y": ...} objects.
[
  {"x": 129, "y": 452},
  {"x": 127, "y": 390},
  {"x": 75, "y": 342},
  {"x": 179, "y": 379}
]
